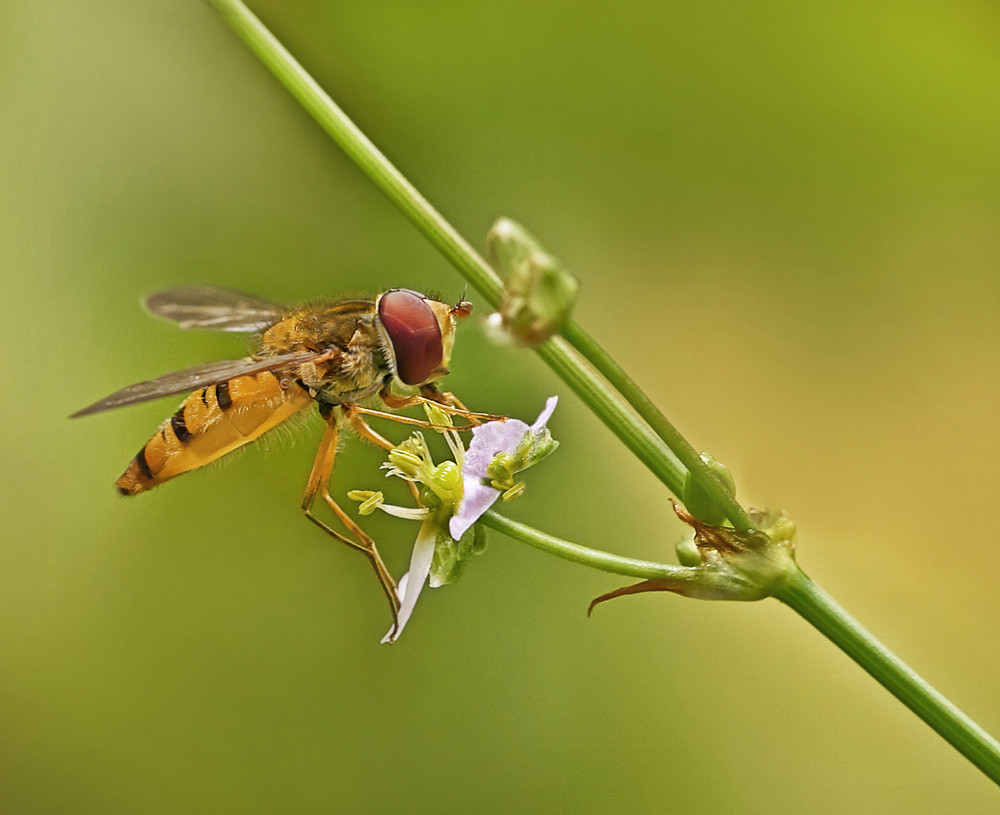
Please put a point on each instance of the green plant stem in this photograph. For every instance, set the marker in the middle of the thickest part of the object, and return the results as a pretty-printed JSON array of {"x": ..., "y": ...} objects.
[
  {"x": 648, "y": 437},
  {"x": 585, "y": 556},
  {"x": 821, "y": 611}
]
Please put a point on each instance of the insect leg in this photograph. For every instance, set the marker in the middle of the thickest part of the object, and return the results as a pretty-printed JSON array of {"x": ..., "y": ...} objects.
[
  {"x": 317, "y": 485},
  {"x": 430, "y": 391},
  {"x": 366, "y": 431},
  {"x": 356, "y": 421},
  {"x": 432, "y": 396}
]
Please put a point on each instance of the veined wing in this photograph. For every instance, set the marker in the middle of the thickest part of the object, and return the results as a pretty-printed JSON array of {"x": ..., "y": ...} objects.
[
  {"x": 214, "y": 307},
  {"x": 193, "y": 378}
]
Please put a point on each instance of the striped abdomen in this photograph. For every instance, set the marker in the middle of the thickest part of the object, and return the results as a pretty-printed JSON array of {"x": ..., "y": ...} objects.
[{"x": 210, "y": 423}]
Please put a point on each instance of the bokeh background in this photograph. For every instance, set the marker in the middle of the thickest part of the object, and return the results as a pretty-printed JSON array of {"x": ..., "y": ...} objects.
[{"x": 785, "y": 219}]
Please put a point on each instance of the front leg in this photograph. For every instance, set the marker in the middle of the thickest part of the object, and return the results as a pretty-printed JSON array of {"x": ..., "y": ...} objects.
[
  {"x": 447, "y": 398},
  {"x": 430, "y": 395}
]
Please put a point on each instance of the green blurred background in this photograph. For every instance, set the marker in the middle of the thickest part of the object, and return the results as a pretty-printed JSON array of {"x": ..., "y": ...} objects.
[{"x": 785, "y": 219}]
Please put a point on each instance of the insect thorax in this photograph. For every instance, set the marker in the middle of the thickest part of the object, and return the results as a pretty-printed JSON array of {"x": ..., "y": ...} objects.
[{"x": 345, "y": 332}]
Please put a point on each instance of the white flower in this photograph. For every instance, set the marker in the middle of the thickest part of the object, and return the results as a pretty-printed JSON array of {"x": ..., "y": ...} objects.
[{"x": 456, "y": 496}]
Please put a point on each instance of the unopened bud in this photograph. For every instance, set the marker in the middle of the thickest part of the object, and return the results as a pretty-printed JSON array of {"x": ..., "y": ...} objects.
[
  {"x": 436, "y": 416},
  {"x": 698, "y": 501},
  {"x": 688, "y": 553},
  {"x": 539, "y": 292}
]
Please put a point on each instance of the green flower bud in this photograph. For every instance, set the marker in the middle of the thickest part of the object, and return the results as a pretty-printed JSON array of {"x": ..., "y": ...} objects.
[
  {"x": 535, "y": 447},
  {"x": 436, "y": 416},
  {"x": 688, "y": 553},
  {"x": 510, "y": 245},
  {"x": 451, "y": 557},
  {"x": 698, "y": 502},
  {"x": 539, "y": 293}
]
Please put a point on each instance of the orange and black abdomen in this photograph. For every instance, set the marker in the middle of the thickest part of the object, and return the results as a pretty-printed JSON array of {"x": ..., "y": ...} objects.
[{"x": 210, "y": 423}]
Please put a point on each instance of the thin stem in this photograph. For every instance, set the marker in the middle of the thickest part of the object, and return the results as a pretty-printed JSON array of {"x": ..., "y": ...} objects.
[
  {"x": 594, "y": 558},
  {"x": 821, "y": 611}
]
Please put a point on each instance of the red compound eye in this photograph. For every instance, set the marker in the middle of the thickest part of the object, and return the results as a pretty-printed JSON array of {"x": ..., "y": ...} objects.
[{"x": 414, "y": 333}]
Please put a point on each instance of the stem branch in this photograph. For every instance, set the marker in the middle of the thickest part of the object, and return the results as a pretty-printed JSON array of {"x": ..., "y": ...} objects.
[{"x": 585, "y": 556}]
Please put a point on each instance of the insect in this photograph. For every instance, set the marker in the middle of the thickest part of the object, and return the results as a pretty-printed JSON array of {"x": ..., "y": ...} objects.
[{"x": 335, "y": 354}]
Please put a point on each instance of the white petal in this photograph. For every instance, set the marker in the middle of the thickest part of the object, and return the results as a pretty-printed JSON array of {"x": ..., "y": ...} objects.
[
  {"x": 413, "y": 581},
  {"x": 410, "y": 513},
  {"x": 476, "y": 499},
  {"x": 546, "y": 414}
]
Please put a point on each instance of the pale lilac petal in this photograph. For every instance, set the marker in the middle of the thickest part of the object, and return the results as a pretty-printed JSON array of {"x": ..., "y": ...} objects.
[
  {"x": 413, "y": 581},
  {"x": 545, "y": 415},
  {"x": 476, "y": 499},
  {"x": 488, "y": 440}
]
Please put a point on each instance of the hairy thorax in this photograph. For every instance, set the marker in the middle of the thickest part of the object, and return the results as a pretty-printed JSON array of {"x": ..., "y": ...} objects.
[{"x": 352, "y": 366}]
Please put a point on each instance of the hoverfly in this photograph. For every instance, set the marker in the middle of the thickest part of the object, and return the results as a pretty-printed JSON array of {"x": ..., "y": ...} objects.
[{"x": 334, "y": 354}]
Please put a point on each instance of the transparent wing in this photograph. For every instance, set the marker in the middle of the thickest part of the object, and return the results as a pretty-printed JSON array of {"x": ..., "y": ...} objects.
[
  {"x": 193, "y": 378},
  {"x": 214, "y": 307}
]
